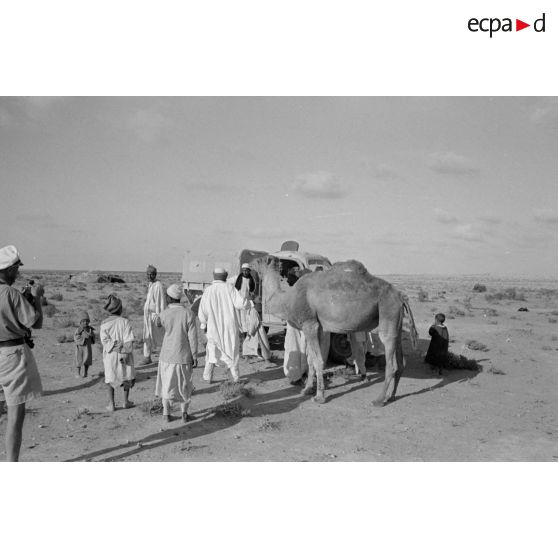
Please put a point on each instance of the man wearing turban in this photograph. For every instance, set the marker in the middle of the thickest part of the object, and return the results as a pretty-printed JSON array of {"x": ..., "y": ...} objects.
[
  {"x": 217, "y": 314},
  {"x": 155, "y": 303},
  {"x": 117, "y": 338}
]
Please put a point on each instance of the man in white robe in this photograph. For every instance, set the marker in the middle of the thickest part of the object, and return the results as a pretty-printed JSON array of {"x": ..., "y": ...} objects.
[
  {"x": 155, "y": 303},
  {"x": 218, "y": 317}
]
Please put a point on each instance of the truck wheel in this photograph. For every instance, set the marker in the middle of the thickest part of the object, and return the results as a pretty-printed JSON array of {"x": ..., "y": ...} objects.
[{"x": 340, "y": 348}]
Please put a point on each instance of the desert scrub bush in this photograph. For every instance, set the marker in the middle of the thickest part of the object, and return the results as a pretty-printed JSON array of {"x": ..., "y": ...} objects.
[
  {"x": 479, "y": 288},
  {"x": 231, "y": 390},
  {"x": 56, "y": 296},
  {"x": 422, "y": 295},
  {"x": 460, "y": 362},
  {"x": 152, "y": 407},
  {"x": 476, "y": 345},
  {"x": 269, "y": 425},
  {"x": 63, "y": 321},
  {"x": 49, "y": 310},
  {"x": 65, "y": 338},
  {"x": 231, "y": 409},
  {"x": 455, "y": 311},
  {"x": 510, "y": 293},
  {"x": 494, "y": 370},
  {"x": 81, "y": 412}
]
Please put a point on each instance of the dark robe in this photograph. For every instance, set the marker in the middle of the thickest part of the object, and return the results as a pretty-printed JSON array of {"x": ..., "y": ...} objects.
[{"x": 438, "y": 348}]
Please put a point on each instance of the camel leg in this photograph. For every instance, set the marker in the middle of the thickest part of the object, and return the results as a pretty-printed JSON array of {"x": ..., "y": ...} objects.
[
  {"x": 316, "y": 363},
  {"x": 390, "y": 344},
  {"x": 357, "y": 350}
]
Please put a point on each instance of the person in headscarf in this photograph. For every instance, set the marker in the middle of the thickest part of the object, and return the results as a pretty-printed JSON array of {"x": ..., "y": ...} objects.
[
  {"x": 19, "y": 376},
  {"x": 437, "y": 353},
  {"x": 117, "y": 338},
  {"x": 252, "y": 331},
  {"x": 155, "y": 303},
  {"x": 178, "y": 356},
  {"x": 218, "y": 317},
  {"x": 84, "y": 337}
]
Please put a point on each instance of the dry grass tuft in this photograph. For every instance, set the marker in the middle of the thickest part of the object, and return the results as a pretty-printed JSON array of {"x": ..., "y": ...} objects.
[
  {"x": 152, "y": 407},
  {"x": 476, "y": 345},
  {"x": 231, "y": 410},
  {"x": 231, "y": 390},
  {"x": 455, "y": 311},
  {"x": 63, "y": 321},
  {"x": 510, "y": 293},
  {"x": 65, "y": 338},
  {"x": 269, "y": 425},
  {"x": 81, "y": 412},
  {"x": 459, "y": 362}
]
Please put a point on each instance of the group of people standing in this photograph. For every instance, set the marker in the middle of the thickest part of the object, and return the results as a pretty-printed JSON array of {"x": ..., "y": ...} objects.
[{"x": 225, "y": 311}]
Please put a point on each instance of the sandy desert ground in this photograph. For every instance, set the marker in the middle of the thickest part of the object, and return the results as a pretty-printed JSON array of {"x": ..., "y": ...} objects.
[{"x": 508, "y": 411}]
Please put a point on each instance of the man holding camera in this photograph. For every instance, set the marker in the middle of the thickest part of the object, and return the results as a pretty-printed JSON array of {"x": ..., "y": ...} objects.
[{"x": 19, "y": 376}]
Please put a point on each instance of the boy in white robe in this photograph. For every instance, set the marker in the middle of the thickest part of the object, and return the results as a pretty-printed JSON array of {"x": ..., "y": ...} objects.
[
  {"x": 155, "y": 303},
  {"x": 218, "y": 317},
  {"x": 117, "y": 338}
]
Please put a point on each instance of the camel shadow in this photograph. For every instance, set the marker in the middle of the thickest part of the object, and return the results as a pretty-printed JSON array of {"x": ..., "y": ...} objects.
[{"x": 90, "y": 383}]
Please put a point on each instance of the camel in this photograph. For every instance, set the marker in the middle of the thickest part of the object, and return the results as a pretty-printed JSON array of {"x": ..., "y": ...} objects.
[{"x": 342, "y": 299}]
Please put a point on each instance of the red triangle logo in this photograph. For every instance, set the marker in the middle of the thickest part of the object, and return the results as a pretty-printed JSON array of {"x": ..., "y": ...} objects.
[{"x": 519, "y": 25}]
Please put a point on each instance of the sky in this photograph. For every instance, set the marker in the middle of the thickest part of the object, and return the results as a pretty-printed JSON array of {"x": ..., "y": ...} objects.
[{"x": 407, "y": 185}]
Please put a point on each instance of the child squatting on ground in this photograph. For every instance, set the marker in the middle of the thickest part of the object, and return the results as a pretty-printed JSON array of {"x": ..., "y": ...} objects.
[
  {"x": 437, "y": 353},
  {"x": 117, "y": 338},
  {"x": 84, "y": 337}
]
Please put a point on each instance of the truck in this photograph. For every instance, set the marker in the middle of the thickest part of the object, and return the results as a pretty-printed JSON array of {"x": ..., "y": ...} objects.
[{"x": 197, "y": 274}]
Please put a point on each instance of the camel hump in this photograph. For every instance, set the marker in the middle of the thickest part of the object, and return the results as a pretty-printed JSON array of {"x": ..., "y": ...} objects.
[{"x": 352, "y": 266}]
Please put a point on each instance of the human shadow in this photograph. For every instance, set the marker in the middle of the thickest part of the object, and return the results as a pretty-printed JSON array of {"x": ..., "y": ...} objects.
[
  {"x": 181, "y": 433},
  {"x": 90, "y": 383},
  {"x": 209, "y": 422}
]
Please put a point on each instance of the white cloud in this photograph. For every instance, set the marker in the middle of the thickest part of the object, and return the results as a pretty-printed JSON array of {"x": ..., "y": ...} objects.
[
  {"x": 319, "y": 184},
  {"x": 148, "y": 125},
  {"x": 469, "y": 232},
  {"x": 448, "y": 162},
  {"x": 546, "y": 216},
  {"x": 444, "y": 217}
]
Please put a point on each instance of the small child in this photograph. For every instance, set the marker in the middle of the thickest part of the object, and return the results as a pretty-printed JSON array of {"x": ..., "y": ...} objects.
[
  {"x": 117, "y": 338},
  {"x": 84, "y": 337},
  {"x": 438, "y": 349}
]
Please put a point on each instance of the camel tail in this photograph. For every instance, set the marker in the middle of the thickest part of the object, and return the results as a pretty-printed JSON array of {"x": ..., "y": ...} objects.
[{"x": 413, "y": 330}]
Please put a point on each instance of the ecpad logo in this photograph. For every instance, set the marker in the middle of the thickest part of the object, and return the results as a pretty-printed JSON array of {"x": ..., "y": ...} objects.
[{"x": 492, "y": 25}]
